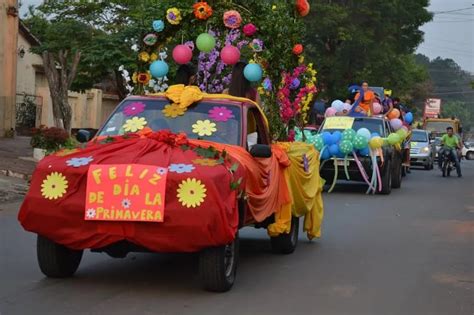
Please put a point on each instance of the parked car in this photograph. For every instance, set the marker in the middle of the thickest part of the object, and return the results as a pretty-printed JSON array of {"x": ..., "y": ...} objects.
[
  {"x": 468, "y": 151},
  {"x": 422, "y": 152},
  {"x": 177, "y": 182},
  {"x": 390, "y": 168}
]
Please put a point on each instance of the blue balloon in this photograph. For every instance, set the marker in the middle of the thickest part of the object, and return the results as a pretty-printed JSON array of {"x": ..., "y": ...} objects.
[
  {"x": 319, "y": 107},
  {"x": 159, "y": 69},
  {"x": 253, "y": 72},
  {"x": 374, "y": 134},
  {"x": 334, "y": 150},
  {"x": 408, "y": 118},
  {"x": 327, "y": 138},
  {"x": 336, "y": 135},
  {"x": 364, "y": 152},
  {"x": 325, "y": 154},
  {"x": 341, "y": 155}
]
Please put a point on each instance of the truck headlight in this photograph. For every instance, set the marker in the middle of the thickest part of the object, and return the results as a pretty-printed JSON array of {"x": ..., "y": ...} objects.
[{"x": 425, "y": 150}]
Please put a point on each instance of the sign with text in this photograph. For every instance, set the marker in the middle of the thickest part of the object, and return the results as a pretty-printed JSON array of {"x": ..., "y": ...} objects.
[
  {"x": 125, "y": 192},
  {"x": 338, "y": 122},
  {"x": 432, "y": 107}
]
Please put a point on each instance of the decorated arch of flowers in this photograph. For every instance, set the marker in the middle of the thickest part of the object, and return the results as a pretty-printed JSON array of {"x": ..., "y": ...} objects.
[{"x": 267, "y": 33}]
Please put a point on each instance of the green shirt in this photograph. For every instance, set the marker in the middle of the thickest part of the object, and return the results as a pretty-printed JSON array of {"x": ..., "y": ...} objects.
[{"x": 451, "y": 142}]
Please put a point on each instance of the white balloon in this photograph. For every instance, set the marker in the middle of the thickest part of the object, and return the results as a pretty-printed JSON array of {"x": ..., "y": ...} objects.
[
  {"x": 338, "y": 105},
  {"x": 347, "y": 106},
  {"x": 364, "y": 132}
]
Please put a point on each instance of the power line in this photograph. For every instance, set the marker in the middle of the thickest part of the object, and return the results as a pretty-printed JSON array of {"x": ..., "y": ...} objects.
[{"x": 456, "y": 10}]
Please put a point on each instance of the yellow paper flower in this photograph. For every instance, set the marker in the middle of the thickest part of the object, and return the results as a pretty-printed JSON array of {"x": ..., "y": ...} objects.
[
  {"x": 134, "y": 124},
  {"x": 173, "y": 110},
  {"x": 54, "y": 186},
  {"x": 204, "y": 128},
  {"x": 191, "y": 193},
  {"x": 134, "y": 77},
  {"x": 205, "y": 162},
  {"x": 173, "y": 16},
  {"x": 153, "y": 56},
  {"x": 144, "y": 77},
  {"x": 65, "y": 152},
  {"x": 144, "y": 56}
]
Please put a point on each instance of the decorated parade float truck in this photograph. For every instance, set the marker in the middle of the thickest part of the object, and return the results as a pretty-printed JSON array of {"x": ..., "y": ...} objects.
[{"x": 181, "y": 171}]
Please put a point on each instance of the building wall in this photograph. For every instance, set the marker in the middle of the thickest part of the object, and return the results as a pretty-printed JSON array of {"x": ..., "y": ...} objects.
[
  {"x": 27, "y": 68},
  {"x": 8, "y": 56}
]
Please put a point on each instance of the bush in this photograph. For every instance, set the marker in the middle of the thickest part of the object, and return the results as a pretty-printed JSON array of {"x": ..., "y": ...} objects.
[{"x": 49, "y": 138}]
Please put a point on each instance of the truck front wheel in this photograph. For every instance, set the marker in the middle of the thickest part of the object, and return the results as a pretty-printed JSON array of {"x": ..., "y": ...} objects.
[
  {"x": 286, "y": 243},
  {"x": 55, "y": 260},
  {"x": 218, "y": 266}
]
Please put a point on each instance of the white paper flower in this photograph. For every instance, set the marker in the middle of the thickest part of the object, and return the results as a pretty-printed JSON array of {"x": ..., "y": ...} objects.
[
  {"x": 90, "y": 213},
  {"x": 134, "y": 47},
  {"x": 126, "y": 203}
]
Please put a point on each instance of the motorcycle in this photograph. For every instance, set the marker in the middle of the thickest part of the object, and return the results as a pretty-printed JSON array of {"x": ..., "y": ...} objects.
[{"x": 448, "y": 164}]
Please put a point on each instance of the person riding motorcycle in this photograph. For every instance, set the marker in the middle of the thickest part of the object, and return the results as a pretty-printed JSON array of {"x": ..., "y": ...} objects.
[{"x": 450, "y": 143}]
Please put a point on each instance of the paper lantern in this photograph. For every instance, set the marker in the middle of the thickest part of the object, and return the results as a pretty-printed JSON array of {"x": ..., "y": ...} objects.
[
  {"x": 159, "y": 69},
  {"x": 205, "y": 42},
  {"x": 253, "y": 72},
  {"x": 182, "y": 54},
  {"x": 230, "y": 55}
]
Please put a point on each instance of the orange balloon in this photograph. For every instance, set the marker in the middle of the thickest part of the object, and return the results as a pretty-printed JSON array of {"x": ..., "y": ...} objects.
[{"x": 395, "y": 113}]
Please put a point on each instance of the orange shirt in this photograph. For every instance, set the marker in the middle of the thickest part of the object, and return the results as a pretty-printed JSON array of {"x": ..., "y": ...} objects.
[{"x": 369, "y": 96}]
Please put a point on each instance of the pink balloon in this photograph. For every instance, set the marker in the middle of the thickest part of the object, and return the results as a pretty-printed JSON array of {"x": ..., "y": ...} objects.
[
  {"x": 396, "y": 123},
  {"x": 377, "y": 108},
  {"x": 230, "y": 55},
  {"x": 182, "y": 54},
  {"x": 331, "y": 111}
]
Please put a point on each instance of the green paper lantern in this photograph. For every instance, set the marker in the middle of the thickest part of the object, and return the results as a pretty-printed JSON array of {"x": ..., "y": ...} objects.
[{"x": 205, "y": 42}]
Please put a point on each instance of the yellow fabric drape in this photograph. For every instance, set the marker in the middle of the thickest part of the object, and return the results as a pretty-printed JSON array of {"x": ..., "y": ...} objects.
[
  {"x": 183, "y": 95},
  {"x": 306, "y": 191}
]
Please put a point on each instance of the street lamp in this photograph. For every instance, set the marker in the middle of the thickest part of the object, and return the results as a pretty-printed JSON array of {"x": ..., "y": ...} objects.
[{"x": 21, "y": 52}]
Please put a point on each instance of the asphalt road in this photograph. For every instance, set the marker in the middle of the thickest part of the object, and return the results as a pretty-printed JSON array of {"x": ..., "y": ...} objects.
[{"x": 408, "y": 253}]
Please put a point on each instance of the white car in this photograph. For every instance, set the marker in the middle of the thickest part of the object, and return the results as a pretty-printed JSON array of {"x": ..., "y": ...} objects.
[{"x": 468, "y": 151}]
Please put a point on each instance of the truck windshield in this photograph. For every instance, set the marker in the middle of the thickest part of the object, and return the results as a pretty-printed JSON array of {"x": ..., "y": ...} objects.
[
  {"x": 228, "y": 131},
  {"x": 438, "y": 126},
  {"x": 374, "y": 125},
  {"x": 419, "y": 136}
]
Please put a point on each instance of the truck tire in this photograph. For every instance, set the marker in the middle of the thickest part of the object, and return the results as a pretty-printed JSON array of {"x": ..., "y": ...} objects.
[
  {"x": 387, "y": 179},
  {"x": 286, "y": 243},
  {"x": 397, "y": 175},
  {"x": 218, "y": 266},
  {"x": 55, "y": 260}
]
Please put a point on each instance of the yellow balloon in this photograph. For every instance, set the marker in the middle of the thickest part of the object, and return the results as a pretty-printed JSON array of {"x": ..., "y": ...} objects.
[{"x": 376, "y": 143}]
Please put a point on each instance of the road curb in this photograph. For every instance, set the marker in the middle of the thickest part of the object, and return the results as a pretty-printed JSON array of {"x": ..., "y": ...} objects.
[{"x": 14, "y": 174}]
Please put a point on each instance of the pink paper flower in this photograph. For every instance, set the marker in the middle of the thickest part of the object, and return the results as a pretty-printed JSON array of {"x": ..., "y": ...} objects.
[
  {"x": 134, "y": 109},
  {"x": 220, "y": 114},
  {"x": 249, "y": 29},
  {"x": 232, "y": 19}
]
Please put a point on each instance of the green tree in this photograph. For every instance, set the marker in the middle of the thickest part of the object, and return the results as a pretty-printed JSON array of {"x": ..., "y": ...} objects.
[{"x": 369, "y": 40}]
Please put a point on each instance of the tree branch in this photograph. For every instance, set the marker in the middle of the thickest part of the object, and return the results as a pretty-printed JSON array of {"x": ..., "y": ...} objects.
[{"x": 73, "y": 72}]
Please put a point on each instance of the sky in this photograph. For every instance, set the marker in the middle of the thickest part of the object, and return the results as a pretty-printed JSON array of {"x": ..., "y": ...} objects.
[{"x": 448, "y": 35}]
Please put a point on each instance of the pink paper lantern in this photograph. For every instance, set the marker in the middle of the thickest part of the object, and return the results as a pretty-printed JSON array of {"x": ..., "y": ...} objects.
[
  {"x": 396, "y": 123},
  {"x": 331, "y": 111},
  {"x": 182, "y": 54},
  {"x": 230, "y": 55},
  {"x": 377, "y": 108}
]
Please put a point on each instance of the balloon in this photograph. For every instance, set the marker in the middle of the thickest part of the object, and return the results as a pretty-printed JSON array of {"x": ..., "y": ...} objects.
[
  {"x": 374, "y": 134},
  {"x": 396, "y": 123},
  {"x": 319, "y": 107},
  {"x": 346, "y": 147},
  {"x": 205, "y": 42},
  {"x": 182, "y": 54},
  {"x": 402, "y": 133},
  {"x": 318, "y": 142},
  {"x": 377, "y": 108},
  {"x": 364, "y": 152},
  {"x": 159, "y": 68},
  {"x": 338, "y": 105},
  {"x": 364, "y": 132},
  {"x": 330, "y": 111},
  {"x": 393, "y": 138},
  {"x": 336, "y": 135},
  {"x": 347, "y": 107},
  {"x": 325, "y": 154},
  {"x": 327, "y": 138},
  {"x": 360, "y": 142},
  {"x": 230, "y": 55},
  {"x": 409, "y": 118},
  {"x": 376, "y": 143},
  {"x": 348, "y": 134},
  {"x": 253, "y": 72},
  {"x": 334, "y": 149},
  {"x": 395, "y": 113}
]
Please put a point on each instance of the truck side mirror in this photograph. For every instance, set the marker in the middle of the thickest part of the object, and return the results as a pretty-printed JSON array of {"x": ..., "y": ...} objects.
[
  {"x": 261, "y": 151},
  {"x": 83, "y": 136}
]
